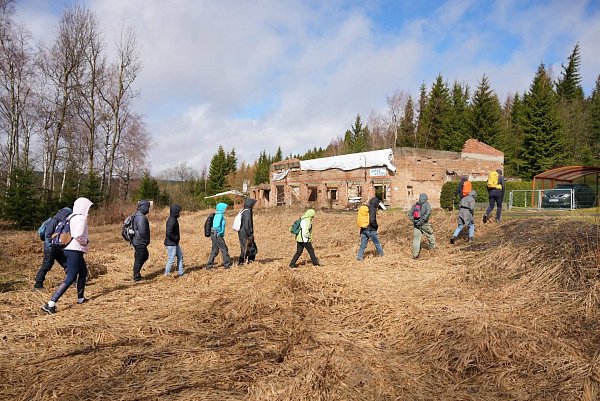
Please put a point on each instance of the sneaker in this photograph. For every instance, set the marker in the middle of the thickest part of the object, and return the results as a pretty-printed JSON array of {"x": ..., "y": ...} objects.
[
  {"x": 49, "y": 309},
  {"x": 137, "y": 279},
  {"x": 208, "y": 267},
  {"x": 81, "y": 300},
  {"x": 485, "y": 218},
  {"x": 452, "y": 240},
  {"x": 471, "y": 239}
]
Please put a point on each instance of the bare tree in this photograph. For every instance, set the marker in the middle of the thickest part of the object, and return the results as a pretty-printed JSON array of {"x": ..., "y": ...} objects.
[
  {"x": 119, "y": 92},
  {"x": 130, "y": 157}
]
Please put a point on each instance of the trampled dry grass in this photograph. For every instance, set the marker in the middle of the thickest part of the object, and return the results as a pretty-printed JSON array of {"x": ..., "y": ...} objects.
[{"x": 513, "y": 316}]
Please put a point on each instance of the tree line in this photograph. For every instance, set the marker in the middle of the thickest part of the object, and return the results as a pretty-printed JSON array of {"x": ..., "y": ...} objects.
[{"x": 67, "y": 124}]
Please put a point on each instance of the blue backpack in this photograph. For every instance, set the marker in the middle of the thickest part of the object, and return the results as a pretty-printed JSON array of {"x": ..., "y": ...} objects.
[
  {"x": 42, "y": 229},
  {"x": 295, "y": 228}
]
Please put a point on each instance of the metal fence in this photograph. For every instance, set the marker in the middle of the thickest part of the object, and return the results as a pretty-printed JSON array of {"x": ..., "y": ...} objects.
[{"x": 542, "y": 199}]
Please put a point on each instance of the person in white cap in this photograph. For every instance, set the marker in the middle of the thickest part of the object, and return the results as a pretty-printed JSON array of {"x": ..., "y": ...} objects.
[{"x": 370, "y": 232}]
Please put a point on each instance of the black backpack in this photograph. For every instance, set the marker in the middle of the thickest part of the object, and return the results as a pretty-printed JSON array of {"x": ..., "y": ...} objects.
[
  {"x": 208, "y": 224},
  {"x": 127, "y": 231}
]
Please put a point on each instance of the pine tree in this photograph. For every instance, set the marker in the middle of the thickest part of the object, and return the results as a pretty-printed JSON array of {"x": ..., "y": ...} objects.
[
  {"x": 437, "y": 113},
  {"x": 261, "y": 169},
  {"x": 594, "y": 122},
  {"x": 231, "y": 162},
  {"x": 408, "y": 128},
  {"x": 422, "y": 120},
  {"x": 569, "y": 84},
  {"x": 278, "y": 155},
  {"x": 356, "y": 139},
  {"x": 457, "y": 129},
  {"x": 217, "y": 172},
  {"x": 485, "y": 114},
  {"x": 21, "y": 200},
  {"x": 148, "y": 189},
  {"x": 511, "y": 140},
  {"x": 543, "y": 142},
  {"x": 91, "y": 188}
]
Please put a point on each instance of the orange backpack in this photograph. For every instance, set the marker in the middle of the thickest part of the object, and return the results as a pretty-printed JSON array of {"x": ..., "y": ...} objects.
[{"x": 467, "y": 187}]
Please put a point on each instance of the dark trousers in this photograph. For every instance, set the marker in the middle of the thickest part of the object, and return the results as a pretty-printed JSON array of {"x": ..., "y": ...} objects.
[
  {"x": 245, "y": 255},
  {"x": 50, "y": 255},
  {"x": 139, "y": 258},
  {"x": 76, "y": 270},
  {"x": 496, "y": 197},
  {"x": 300, "y": 246},
  {"x": 218, "y": 244}
]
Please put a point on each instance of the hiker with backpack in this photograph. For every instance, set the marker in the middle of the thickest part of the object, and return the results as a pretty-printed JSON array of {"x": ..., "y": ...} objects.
[
  {"x": 370, "y": 231},
  {"x": 419, "y": 216},
  {"x": 302, "y": 228},
  {"x": 495, "y": 186},
  {"x": 51, "y": 254},
  {"x": 217, "y": 237},
  {"x": 466, "y": 212},
  {"x": 246, "y": 233},
  {"x": 464, "y": 187},
  {"x": 172, "y": 241},
  {"x": 75, "y": 249},
  {"x": 141, "y": 238}
]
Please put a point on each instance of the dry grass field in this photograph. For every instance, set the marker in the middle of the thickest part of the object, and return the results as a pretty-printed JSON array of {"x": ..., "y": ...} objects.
[{"x": 513, "y": 316}]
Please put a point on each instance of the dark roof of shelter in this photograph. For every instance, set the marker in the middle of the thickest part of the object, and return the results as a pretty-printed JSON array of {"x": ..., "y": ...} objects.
[{"x": 567, "y": 173}]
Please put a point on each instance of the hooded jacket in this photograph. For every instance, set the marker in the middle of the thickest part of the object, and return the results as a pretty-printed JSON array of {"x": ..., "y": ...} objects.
[
  {"x": 247, "y": 226},
  {"x": 141, "y": 226},
  {"x": 305, "y": 234},
  {"x": 373, "y": 206},
  {"x": 51, "y": 225},
  {"x": 79, "y": 226},
  {"x": 425, "y": 211},
  {"x": 466, "y": 208},
  {"x": 219, "y": 219},
  {"x": 172, "y": 227}
]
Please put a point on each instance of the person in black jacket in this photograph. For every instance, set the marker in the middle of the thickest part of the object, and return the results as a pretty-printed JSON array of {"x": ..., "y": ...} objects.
[
  {"x": 51, "y": 253},
  {"x": 172, "y": 241},
  {"x": 246, "y": 234},
  {"x": 141, "y": 238},
  {"x": 370, "y": 232}
]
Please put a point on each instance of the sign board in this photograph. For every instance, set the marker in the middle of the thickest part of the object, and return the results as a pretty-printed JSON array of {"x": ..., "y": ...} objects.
[{"x": 377, "y": 172}]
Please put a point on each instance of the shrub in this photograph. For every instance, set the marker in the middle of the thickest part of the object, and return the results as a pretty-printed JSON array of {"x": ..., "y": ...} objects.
[{"x": 449, "y": 201}]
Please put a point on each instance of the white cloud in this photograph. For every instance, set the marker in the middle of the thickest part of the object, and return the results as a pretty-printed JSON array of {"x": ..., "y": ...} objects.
[{"x": 257, "y": 75}]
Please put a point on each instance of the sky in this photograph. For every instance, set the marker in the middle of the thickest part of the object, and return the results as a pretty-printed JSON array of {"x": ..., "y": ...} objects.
[{"x": 255, "y": 75}]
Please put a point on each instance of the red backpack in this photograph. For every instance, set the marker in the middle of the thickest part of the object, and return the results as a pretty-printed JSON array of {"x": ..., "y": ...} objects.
[
  {"x": 417, "y": 211},
  {"x": 467, "y": 187}
]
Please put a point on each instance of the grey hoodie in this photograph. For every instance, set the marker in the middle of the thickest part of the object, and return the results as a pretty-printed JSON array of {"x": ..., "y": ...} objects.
[
  {"x": 466, "y": 208},
  {"x": 425, "y": 211}
]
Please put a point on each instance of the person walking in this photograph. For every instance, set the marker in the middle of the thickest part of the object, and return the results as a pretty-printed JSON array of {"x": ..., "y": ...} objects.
[
  {"x": 246, "y": 233},
  {"x": 172, "y": 237},
  {"x": 217, "y": 236},
  {"x": 74, "y": 253},
  {"x": 304, "y": 239},
  {"x": 51, "y": 254},
  {"x": 496, "y": 186},
  {"x": 141, "y": 238},
  {"x": 419, "y": 216},
  {"x": 466, "y": 212},
  {"x": 370, "y": 232}
]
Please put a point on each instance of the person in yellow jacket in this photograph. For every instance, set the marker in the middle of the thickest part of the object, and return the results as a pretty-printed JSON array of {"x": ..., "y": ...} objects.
[{"x": 304, "y": 239}]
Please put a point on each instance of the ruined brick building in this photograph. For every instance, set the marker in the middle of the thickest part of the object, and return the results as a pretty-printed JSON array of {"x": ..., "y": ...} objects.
[{"x": 396, "y": 176}]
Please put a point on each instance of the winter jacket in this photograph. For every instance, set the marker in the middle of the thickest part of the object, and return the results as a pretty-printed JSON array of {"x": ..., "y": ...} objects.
[
  {"x": 425, "y": 211},
  {"x": 79, "y": 226},
  {"x": 305, "y": 234},
  {"x": 141, "y": 226},
  {"x": 51, "y": 226},
  {"x": 466, "y": 208},
  {"x": 219, "y": 219},
  {"x": 460, "y": 187},
  {"x": 247, "y": 226},
  {"x": 373, "y": 206},
  {"x": 172, "y": 227}
]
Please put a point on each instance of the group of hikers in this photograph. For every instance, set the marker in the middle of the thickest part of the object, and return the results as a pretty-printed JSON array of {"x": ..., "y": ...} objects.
[{"x": 71, "y": 254}]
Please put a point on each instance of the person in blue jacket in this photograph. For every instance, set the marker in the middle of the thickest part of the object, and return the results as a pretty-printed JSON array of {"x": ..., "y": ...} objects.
[
  {"x": 51, "y": 254},
  {"x": 217, "y": 234}
]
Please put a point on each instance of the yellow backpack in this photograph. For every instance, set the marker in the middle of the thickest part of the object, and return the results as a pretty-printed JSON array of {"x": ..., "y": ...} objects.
[
  {"x": 362, "y": 220},
  {"x": 492, "y": 182}
]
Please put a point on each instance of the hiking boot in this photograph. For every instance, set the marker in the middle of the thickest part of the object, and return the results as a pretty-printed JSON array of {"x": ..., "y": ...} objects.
[
  {"x": 452, "y": 240},
  {"x": 49, "y": 309},
  {"x": 485, "y": 218}
]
